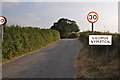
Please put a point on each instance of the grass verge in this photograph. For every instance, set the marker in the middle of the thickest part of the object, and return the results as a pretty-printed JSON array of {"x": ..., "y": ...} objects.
[{"x": 101, "y": 66}]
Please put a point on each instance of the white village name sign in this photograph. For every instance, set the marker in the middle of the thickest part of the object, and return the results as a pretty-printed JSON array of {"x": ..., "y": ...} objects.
[{"x": 100, "y": 40}]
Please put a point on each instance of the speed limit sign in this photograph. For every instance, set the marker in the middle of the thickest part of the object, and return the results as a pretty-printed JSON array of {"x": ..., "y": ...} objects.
[
  {"x": 92, "y": 17},
  {"x": 3, "y": 20}
]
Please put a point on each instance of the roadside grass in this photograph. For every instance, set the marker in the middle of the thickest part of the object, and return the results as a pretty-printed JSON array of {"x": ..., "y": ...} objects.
[
  {"x": 92, "y": 69},
  {"x": 96, "y": 67},
  {"x": 100, "y": 65}
]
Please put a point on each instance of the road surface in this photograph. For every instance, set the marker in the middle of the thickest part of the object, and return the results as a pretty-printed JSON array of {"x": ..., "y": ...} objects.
[{"x": 55, "y": 61}]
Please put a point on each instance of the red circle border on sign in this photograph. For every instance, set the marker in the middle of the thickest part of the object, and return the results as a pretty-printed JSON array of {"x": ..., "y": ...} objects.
[
  {"x": 5, "y": 20},
  {"x": 90, "y": 13}
]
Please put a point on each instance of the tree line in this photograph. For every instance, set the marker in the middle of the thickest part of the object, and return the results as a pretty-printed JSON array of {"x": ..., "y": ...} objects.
[{"x": 66, "y": 27}]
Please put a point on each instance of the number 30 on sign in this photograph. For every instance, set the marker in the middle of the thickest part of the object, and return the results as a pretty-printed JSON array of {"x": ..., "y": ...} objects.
[{"x": 92, "y": 17}]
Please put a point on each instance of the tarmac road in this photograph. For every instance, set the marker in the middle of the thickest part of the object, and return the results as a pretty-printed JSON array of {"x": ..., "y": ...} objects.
[{"x": 55, "y": 61}]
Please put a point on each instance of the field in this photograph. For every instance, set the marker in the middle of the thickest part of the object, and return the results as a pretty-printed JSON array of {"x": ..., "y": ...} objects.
[{"x": 104, "y": 60}]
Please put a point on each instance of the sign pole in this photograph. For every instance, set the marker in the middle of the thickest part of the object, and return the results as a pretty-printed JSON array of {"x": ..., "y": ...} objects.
[
  {"x": 92, "y": 28},
  {"x": 1, "y": 38},
  {"x": 92, "y": 46},
  {"x": 106, "y": 50},
  {"x": 2, "y": 32},
  {"x": 3, "y": 21},
  {"x": 92, "y": 17}
]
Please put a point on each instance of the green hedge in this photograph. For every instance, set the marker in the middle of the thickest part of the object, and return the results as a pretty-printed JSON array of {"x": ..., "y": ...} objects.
[
  {"x": 115, "y": 47},
  {"x": 19, "y": 40}
]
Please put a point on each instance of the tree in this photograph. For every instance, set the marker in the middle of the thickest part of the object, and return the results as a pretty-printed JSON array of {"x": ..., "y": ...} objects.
[{"x": 65, "y": 27}]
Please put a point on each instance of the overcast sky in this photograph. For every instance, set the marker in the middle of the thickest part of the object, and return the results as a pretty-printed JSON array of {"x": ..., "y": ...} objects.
[{"x": 44, "y": 14}]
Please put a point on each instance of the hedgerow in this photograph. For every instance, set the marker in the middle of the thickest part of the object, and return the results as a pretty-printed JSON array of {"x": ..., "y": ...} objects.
[
  {"x": 19, "y": 40},
  {"x": 84, "y": 37}
]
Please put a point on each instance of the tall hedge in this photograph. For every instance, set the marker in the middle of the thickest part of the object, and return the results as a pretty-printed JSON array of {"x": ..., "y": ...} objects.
[
  {"x": 19, "y": 40},
  {"x": 114, "y": 48}
]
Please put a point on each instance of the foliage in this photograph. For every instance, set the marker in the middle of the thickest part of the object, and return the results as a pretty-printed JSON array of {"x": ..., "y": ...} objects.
[
  {"x": 65, "y": 27},
  {"x": 92, "y": 69},
  {"x": 18, "y": 40},
  {"x": 73, "y": 35},
  {"x": 84, "y": 37}
]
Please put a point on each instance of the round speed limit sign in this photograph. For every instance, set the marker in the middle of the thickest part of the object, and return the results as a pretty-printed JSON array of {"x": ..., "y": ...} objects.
[
  {"x": 3, "y": 20},
  {"x": 92, "y": 17}
]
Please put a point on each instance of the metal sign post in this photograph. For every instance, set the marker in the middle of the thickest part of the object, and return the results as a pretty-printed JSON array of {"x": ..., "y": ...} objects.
[
  {"x": 92, "y": 27},
  {"x": 106, "y": 40},
  {"x": 3, "y": 21},
  {"x": 106, "y": 50},
  {"x": 92, "y": 46},
  {"x": 92, "y": 17},
  {"x": 2, "y": 33}
]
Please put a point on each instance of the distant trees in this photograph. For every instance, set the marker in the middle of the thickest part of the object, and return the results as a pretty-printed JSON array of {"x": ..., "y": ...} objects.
[
  {"x": 65, "y": 27},
  {"x": 73, "y": 35}
]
